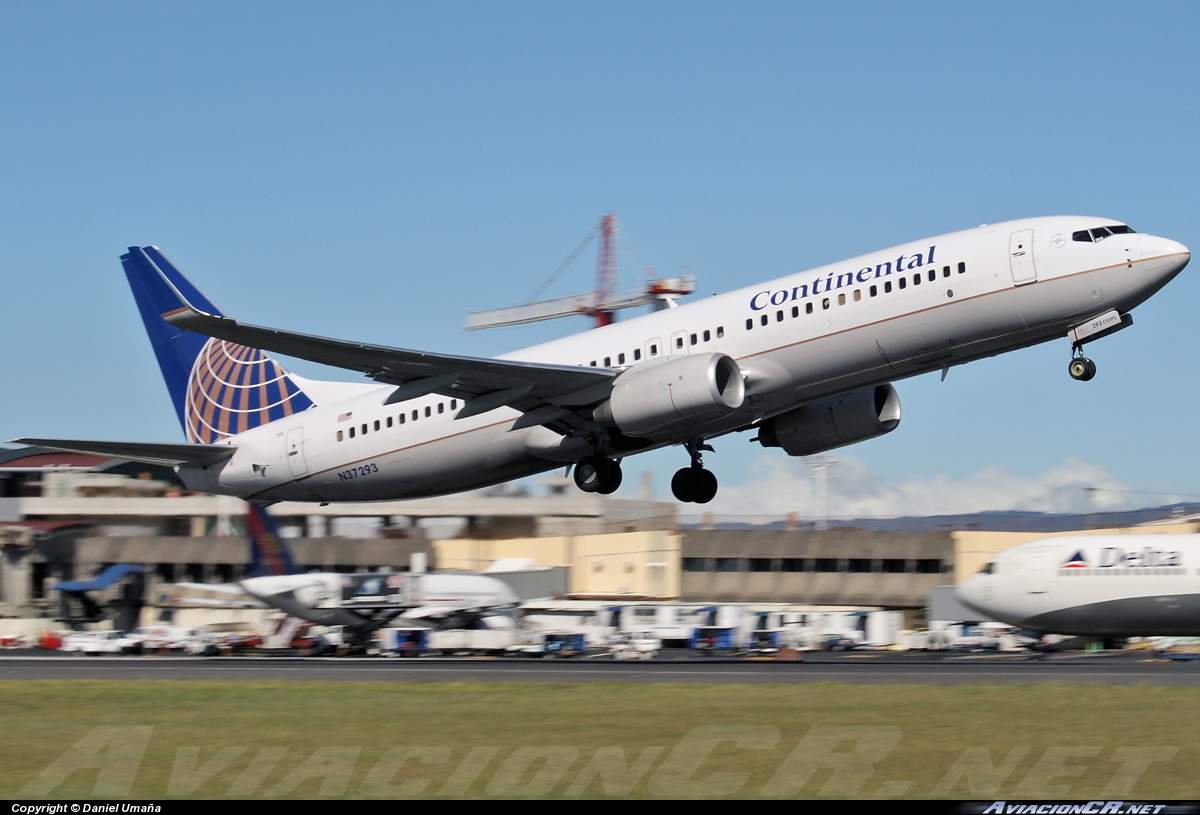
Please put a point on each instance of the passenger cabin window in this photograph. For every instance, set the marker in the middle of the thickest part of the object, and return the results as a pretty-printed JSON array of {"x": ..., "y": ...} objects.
[
  {"x": 841, "y": 299},
  {"x": 620, "y": 359},
  {"x": 720, "y": 331},
  {"x": 945, "y": 271},
  {"x": 608, "y": 362},
  {"x": 654, "y": 349},
  {"x": 377, "y": 425},
  {"x": 637, "y": 354},
  {"x": 402, "y": 417},
  {"x": 887, "y": 287},
  {"x": 903, "y": 282},
  {"x": 808, "y": 308},
  {"x": 749, "y": 324},
  {"x": 962, "y": 267},
  {"x": 679, "y": 342},
  {"x": 339, "y": 435},
  {"x": 825, "y": 303},
  {"x": 693, "y": 339},
  {"x": 441, "y": 408},
  {"x": 707, "y": 335},
  {"x": 764, "y": 319},
  {"x": 389, "y": 421},
  {"x": 428, "y": 411},
  {"x": 795, "y": 311},
  {"x": 352, "y": 432}
]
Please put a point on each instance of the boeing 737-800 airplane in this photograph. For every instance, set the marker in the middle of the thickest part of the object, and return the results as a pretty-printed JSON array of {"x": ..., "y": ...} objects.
[
  {"x": 805, "y": 361},
  {"x": 1093, "y": 585}
]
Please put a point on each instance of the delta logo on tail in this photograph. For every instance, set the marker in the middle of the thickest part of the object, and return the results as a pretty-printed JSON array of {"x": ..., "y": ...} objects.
[
  {"x": 269, "y": 554},
  {"x": 1076, "y": 561}
]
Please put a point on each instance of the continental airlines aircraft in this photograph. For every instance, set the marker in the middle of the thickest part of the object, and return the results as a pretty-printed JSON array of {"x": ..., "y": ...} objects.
[
  {"x": 804, "y": 362},
  {"x": 1093, "y": 585}
]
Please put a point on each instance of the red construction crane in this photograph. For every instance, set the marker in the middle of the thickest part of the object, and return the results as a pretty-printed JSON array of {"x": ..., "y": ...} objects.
[{"x": 600, "y": 304}]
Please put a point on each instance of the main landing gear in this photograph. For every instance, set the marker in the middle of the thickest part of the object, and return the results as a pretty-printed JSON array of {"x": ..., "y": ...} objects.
[
  {"x": 1081, "y": 368},
  {"x": 598, "y": 474},
  {"x": 695, "y": 484}
]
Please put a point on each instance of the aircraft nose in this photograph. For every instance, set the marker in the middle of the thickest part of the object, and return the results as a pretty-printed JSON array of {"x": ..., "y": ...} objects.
[
  {"x": 1164, "y": 257},
  {"x": 966, "y": 592}
]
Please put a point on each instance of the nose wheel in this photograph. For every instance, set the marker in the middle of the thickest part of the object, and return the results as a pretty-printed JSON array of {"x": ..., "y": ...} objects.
[
  {"x": 1081, "y": 368},
  {"x": 694, "y": 484},
  {"x": 598, "y": 474}
]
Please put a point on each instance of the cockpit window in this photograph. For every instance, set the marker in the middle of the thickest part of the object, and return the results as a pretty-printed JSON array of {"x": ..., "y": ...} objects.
[
  {"x": 990, "y": 568},
  {"x": 1100, "y": 233}
]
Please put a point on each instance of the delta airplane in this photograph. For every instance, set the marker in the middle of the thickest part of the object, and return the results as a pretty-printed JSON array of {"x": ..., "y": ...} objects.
[
  {"x": 360, "y": 603},
  {"x": 805, "y": 361},
  {"x": 1093, "y": 585}
]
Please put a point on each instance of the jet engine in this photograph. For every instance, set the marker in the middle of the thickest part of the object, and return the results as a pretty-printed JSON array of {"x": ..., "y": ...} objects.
[
  {"x": 676, "y": 392},
  {"x": 830, "y": 423}
]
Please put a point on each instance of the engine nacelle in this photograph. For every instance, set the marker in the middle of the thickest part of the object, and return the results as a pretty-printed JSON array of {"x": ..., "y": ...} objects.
[
  {"x": 676, "y": 392},
  {"x": 830, "y": 423}
]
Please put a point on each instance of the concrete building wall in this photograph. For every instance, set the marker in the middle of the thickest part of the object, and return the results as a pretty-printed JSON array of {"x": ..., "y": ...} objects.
[
  {"x": 642, "y": 563},
  {"x": 836, "y": 567}
]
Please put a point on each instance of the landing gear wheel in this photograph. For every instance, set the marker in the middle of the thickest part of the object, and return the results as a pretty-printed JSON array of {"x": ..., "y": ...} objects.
[
  {"x": 598, "y": 474},
  {"x": 610, "y": 476},
  {"x": 1081, "y": 369},
  {"x": 704, "y": 486},
  {"x": 682, "y": 485},
  {"x": 587, "y": 473},
  {"x": 694, "y": 485}
]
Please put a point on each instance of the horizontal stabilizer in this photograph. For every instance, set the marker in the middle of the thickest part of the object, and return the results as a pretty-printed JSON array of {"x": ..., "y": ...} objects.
[
  {"x": 103, "y": 580},
  {"x": 168, "y": 455}
]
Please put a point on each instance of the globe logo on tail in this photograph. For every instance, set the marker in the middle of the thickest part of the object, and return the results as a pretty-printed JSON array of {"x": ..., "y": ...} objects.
[{"x": 233, "y": 388}]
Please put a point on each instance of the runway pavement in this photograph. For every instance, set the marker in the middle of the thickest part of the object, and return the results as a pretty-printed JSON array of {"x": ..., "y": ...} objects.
[{"x": 887, "y": 668}]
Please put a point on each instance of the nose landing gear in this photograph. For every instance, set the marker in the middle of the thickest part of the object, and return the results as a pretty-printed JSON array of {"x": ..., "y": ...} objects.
[
  {"x": 1081, "y": 368},
  {"x": 695, "y": 484}
]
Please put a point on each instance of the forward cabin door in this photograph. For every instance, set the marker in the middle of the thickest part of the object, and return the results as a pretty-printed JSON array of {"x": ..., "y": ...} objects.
[{"x": 1020, "y": 257}]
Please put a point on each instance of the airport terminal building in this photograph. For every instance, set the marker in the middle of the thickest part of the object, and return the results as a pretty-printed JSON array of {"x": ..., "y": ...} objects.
[{"x": 67, "y": 517}]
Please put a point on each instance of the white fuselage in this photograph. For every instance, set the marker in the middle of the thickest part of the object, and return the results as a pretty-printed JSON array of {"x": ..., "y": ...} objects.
[
  {"x": 325, "y": 598},
  {"x": 800, "y": 338},
  {"x": 1093, "y": 585}
]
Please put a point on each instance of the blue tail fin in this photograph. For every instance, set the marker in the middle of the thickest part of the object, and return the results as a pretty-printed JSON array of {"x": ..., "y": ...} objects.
[
  {"x": 219, "y": 388},
  {"x": 269, "y": 553}
]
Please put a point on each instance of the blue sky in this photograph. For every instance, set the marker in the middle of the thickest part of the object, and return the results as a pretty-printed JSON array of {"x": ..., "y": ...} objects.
[{"x": 371, "y": 170}]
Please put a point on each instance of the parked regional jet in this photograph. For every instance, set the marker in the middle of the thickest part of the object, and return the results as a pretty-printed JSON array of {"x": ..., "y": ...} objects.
[
  {"x": 1093, "y": 585},
  {"x": 804, "y": 361},
  {"x": 361, "y": 603}
]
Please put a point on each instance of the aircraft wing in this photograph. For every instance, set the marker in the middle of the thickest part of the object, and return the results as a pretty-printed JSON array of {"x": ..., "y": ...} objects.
[
  {"x": 167, "y": 455},
  {"x": 438, "y": 612},
  {"x": 485, "y": 383}
]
